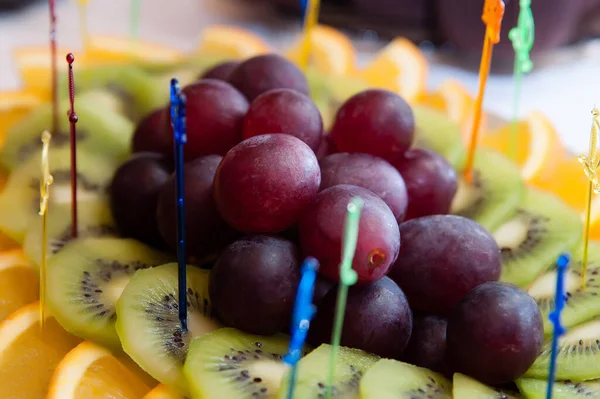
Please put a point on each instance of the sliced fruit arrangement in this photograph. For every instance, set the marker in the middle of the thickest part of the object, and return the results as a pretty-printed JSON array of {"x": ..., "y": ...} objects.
[
  {"x": 536, "y": 389},
  {"x": 163, "y": 392},
  {"x": 19, "y": 284},
  {"x": 468, "y": 388}
]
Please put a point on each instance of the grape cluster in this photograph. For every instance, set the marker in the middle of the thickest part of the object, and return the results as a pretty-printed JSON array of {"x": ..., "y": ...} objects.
[{"x": 266, "y": 185}]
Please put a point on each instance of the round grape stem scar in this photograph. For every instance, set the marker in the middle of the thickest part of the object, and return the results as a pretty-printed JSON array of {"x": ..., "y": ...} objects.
[{"x": 376, "y": 258}]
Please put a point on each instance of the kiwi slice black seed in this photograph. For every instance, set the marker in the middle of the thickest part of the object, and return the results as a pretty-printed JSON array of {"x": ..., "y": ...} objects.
[
  {"x": 581, "y": 304},
  {"x": 541, "y": 229},
  {"x": 394, "y": 379},
  {"x": 578, "y": 354},
  {"x": 93, "y": 220},
  {"x": 148, "y": 321},
  {"x": 495, "y": 192},
  {"x": 100, "y": 131},
  {"x": 351, "y": 365},
  {"x": 230, "y": 364},
  {"x": 86, "y": 278},
  {"x": 536, "y": 389},
  {"x": 436, "y": 132},
  {"x": 465, "y": 387},
  {"x": 20, "y": 198}
]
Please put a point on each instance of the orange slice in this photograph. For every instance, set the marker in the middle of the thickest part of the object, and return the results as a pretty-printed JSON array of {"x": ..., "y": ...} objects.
[
  {"x": 19, "y": 284},
  {"x": 14, "y": 105},
  {"x": 400, "y": 67},
  {"x": 232, "y": 42},
  {"x": 332, "y": 52},
  {"x": 28, "y": 355},
  {"x": 89, "y": 371},
  {"x": 594, "y": 218},
  {"x": 163, "y": 392},
  {"x": 538, "y": 144},
  {"x": 107, "y": 49}
]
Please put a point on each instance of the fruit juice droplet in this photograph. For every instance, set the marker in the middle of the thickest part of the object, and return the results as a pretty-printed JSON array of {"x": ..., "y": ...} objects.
[
  {"x": 178, "y": 102},
  {"x": 72, "y": 116},
  {"x": 304, "y": 311},
  {"x": 53, "y": 67},
  {"x": 45, "y": 182},
  {"x": 493, "y": 12},
  {"x": 559, "y": 302},
  {"x": 311, "y": 18},
  {"x": 348, "y": 277}
]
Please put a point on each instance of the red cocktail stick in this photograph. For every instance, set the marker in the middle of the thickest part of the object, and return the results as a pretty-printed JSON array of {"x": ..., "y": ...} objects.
[{"x": 72, "y": 137}]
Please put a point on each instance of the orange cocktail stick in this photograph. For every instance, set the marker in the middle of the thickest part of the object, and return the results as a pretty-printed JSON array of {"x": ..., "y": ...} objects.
[{"x": 493, "y": 12}]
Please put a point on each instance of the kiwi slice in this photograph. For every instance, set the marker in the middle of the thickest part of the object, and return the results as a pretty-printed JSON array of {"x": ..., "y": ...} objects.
[
  {"x": 86, "y": 279},
  {"x": 100, "y": 131},
  {"x": 94, "y": 219},
  {"x": 313, "y": 369},
  {"x": 540, "y": 230},
  {"x": 536, "y": 389},
  {"x": 389, "y": 379},
  {"x": 436, "y": 132},
  {"x": 578, "y": 354},
  {"x": 230, "y": 364},
  {"x": 465, "y": 387},
  {"x": 581, "y": 304},
  {"x": 20, "y": 199},
  {"x": 495, "y": 192},
  {"x": 320, "y": 94},
  {"x": 148, "y": 321}
]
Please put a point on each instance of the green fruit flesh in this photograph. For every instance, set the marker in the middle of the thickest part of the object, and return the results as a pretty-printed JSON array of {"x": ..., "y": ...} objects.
[
  {"x": 541, "y": 229},
  {"x": 495, "y": 193},
  {"x": 465, "y": 387},
  {"x": 230, "y": 364},
  {"x": 86, "y": 279},
  {"x": 391, "y": 379},
  {"x": 148, "y": 321},
  {"x": 100, "y": 131},
  {"x": 536, "y": 389}
]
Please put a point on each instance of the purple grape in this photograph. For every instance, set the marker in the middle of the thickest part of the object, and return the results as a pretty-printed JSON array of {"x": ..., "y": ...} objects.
[
  {"x": 322, "y": 232},
  {"x": 220, "y": 71},
  {"x": 134, "y": 193},
  {"x": 206, "y": 231},
  {"x": 442, "y": 258},
  {"x": 253, "y": 284},
  {"x": 322, "y": 287},
  {"x": 264, "y": 183},
  {"x": 285, "y": 111},
  {"x": 427, "y": 345},
  {"x": 370, "y": 172},
  {"x": 376, "y": 122},
  {"x": 215, "y": 116},
  {"x": 430, "y": 182},
  {"x": 262, "y": 73},
  {"x": 494, "y": 333},
  {"x": 153, "y": 134},
  {"x": 378, "y": 319},
  {"x": 326, "y": 147}
]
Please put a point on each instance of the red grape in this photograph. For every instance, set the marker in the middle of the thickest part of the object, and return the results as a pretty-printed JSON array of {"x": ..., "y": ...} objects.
[
  {"x": 376, "y": 122},
  {"x": 285, "y": 111},
  {"x": 153, "y": 134},
  {"x": 206, "y": 231},
  {"x": 134, "y": 194},
  {"x": 427, "y": 345},
  {"x": 220, "y": 71},
  {"x": 430, "y": 182},
  {"x": 442, "y": 258},
  {"x": 253, "y": 284},
  {"x": 322, "y": 232},
  {"x": 215, "y": 116},
  {"x": 370, "y": 172},
  {"x": 326, "y": 147},
  {"x": 264, "y": 183},
  {"x": 494, "y": 333},
  {"x": 262, "y": 73},
  {"x": 377, "y": 319}
]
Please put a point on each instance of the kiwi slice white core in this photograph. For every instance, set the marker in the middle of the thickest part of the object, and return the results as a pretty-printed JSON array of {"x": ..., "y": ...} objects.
[
  {"x": 513, "y": 233},
  {"x": 467, "y": 195}
]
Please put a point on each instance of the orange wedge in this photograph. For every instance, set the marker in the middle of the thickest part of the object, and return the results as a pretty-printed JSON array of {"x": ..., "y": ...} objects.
[
  {"x": 594, "y": 218},
  {"x": 28, "y": 355},
  {"x": 163, "y": 392},
  {"x": 400, "y": 67},
  {"x": 89, "y": 371},
  {"x": 107, "y": 49},
  {"x": 19, "y": 284},
  {"x": 14, "y": 105},
  {"x": 231, "y": 42},
  {"x": 538, "y": 144},
  {"x": 332, "y": 52}
]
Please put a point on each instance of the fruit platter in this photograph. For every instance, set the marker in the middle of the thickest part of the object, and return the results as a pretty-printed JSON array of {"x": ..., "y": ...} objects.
[{"x": 455, "y": 276}]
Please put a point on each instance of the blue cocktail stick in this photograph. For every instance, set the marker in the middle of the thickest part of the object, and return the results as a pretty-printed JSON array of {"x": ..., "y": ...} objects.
[
  {"x": 559, "y": 302},
  {"x": 304, "y": 310},
  {"x": 178, "y": 103}
]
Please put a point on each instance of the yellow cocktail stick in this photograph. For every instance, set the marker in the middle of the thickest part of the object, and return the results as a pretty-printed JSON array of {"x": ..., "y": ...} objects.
[
  {"x": 590, "y": 163},
  {"x": 311, "y": 18},
  {"x": 83, "y": 23},
  {"x": 493, "y": 12},
  {"x": 45, "y": 182}
]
